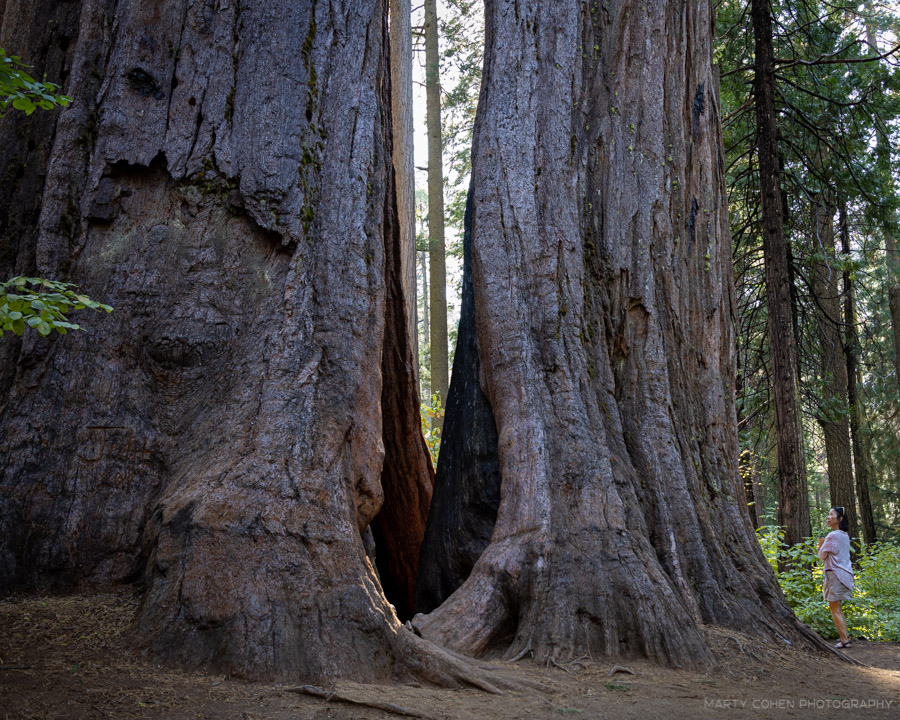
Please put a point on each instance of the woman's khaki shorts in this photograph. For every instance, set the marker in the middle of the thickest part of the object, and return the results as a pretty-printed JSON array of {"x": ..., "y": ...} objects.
[{"x": 833, "y": 589}]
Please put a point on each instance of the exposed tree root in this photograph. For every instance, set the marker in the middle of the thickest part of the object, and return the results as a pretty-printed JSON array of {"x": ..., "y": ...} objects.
[
  {"x": 437, "y": 664},
  {"x": 334, "y": 695},
  {"x": 522, "y": 653}
]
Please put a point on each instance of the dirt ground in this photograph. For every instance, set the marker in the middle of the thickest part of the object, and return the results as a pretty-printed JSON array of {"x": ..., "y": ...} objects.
[{"x": 66, "y": 657}]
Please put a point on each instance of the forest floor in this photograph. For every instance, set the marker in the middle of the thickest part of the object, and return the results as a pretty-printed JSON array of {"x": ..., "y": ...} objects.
[{"x": 68, "y": 657}]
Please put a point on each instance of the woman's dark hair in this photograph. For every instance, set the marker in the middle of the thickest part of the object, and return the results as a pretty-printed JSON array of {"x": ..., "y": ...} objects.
[{"x": 843, "y": 523}]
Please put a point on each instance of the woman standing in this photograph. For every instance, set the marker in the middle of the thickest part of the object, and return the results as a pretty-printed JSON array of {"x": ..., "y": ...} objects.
[{"x": 834, "y": 551}]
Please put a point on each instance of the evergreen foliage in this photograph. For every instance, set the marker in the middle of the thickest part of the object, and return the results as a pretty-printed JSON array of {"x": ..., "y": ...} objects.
[{"x": 838, "y": 103}]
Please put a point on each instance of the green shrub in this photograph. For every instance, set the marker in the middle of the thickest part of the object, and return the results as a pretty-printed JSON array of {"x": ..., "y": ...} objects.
[
  {"x": 23, "y": 92},
  {"x": 431, "y": 416},
  {"x": 874, "y": 611}
]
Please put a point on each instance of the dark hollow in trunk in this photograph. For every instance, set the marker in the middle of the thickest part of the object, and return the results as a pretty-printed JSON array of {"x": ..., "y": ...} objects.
[
  {"x": 407, "y": 478},
  {"x": 467, "y": 484}
]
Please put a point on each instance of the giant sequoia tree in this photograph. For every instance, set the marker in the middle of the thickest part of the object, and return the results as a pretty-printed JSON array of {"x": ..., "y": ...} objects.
[
  {"x": 232, "y": 432},
  {"x": 602, "y": 301}
]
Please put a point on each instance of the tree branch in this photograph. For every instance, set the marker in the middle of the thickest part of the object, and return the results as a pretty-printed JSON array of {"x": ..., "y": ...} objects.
[{"x": 831, "y": 60}]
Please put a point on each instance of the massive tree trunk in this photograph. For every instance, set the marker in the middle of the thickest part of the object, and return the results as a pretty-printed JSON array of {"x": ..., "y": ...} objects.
[
  {"x": 230, "y": 431},
  {"x": 793, "y": 503},
  {"x": 832, "y": 410},
  {"x": 404, "y": 169},
  {"x": 436, "y": 253},
  {"x": 862, "y": 462},
  {"x": 601, "y": 266}
]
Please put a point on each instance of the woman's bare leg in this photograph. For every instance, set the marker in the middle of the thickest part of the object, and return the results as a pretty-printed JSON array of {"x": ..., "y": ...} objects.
[{"x": 839, "y": 622}]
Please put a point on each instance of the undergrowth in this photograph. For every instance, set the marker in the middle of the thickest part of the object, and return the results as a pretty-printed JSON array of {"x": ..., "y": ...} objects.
[
  {"x": 874, "y": 611},
  {"x": 432, "y": 416}
]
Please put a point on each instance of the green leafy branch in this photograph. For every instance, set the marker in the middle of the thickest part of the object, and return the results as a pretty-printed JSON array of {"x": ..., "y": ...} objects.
[
  {"x": 23, "y": 92},
  {"x": 431, "y": 415},
  {"x": 42, "y": 305}
]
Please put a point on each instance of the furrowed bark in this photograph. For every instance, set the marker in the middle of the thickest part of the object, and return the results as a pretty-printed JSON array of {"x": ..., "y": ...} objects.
[{"x": 601, "y": 274}]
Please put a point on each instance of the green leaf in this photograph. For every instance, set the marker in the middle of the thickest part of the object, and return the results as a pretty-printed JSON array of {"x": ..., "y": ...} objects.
[{"x": 23, "y": 103}]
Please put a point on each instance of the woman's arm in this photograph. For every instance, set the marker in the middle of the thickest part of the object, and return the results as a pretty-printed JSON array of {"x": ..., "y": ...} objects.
[{"x": 826, "y": 547}]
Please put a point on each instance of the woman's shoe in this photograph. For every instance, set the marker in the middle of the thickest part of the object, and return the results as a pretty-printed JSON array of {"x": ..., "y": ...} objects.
[{"x": 841, "y": 644}]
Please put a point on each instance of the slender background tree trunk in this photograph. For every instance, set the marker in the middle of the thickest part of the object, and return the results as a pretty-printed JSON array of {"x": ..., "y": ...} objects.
[
  {"x": 893, "y": 266},
  {"x": 832, "y": 412},
  {"x": 404, "y": 169},
  {"x": 793, "y": 503},
  {"x": 891, "y": 252},
  {"x": 861, "y": 460},
  {"x": 746, "y": 464},
  {"x": 438, "y": 276}
]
